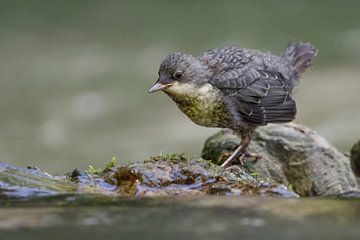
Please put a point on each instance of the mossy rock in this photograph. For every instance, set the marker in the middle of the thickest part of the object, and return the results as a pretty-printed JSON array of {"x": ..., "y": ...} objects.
[
  {"x": 294, "y": 160},
  {"x": 293, "y": 155},
  {"x": 169, "y": 175}
]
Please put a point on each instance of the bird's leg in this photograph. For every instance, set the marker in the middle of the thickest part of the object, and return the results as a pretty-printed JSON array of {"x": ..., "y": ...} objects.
[{"x": 239, "y": 151}]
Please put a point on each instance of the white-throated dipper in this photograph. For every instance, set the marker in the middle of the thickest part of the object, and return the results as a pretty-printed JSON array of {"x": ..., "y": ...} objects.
[{"x": 235, "y": 88}]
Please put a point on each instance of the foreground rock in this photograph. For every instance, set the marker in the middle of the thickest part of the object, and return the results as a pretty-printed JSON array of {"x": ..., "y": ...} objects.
[
  {"x": 293, "y": 159},
  {"x": 293, "y": 155},
  {"x": 160, "y": 176}
]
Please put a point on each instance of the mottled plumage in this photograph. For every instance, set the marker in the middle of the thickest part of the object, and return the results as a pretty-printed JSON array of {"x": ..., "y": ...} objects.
[{"x": 235, "y": 88}]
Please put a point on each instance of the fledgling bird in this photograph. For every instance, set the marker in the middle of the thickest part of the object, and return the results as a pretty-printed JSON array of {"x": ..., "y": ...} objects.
[{"x": 235, "y": 88}]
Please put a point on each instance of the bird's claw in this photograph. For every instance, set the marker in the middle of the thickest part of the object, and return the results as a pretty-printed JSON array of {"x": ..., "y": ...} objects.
[{"x": 253, "y": 156}]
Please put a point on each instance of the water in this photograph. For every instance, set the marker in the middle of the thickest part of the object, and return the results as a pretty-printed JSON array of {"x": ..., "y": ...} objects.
[{"x": 181, "y": 218}]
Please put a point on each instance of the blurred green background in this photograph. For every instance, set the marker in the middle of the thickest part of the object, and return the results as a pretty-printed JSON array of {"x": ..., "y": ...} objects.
[{"x": 75, "y": 74}]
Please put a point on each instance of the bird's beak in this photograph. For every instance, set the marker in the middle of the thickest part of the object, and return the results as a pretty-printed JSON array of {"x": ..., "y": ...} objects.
[{"x": 158, "y": 86}]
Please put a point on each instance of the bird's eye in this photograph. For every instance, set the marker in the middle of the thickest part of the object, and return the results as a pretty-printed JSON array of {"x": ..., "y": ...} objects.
[{"x": 178, "y": 75}]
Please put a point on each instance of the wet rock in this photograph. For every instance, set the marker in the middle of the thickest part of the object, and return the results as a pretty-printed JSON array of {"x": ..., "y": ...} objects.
[
  {"x": 292, "y": 155},
  {"x": 178, "y": 175},
  {"x": 293, "y": 159},
  {"x": 30, "y": 182},
  {"x": 18, "y": 182},
  {"x": 170, "y": 175}
]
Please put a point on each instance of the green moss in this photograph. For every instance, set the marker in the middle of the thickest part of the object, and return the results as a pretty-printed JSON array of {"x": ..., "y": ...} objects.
[
  {"x": 108, "y": 166},
  {"x": 92, "y": 171}
]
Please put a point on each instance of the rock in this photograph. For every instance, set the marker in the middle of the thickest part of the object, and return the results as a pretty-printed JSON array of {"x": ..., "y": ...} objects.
[
  {"x": 355, "y": 158},
  {"x": 178, "y": 175},
  {"x": 170, "y": 175},
  {"x": 30, "y": 182},
  {"x": 294, "y": 159},
  {"x": 292, "y": 155}
]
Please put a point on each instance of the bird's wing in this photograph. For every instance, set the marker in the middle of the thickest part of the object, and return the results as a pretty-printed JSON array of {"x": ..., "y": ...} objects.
[
  {"x": 222, "y": 59},
  {"x": 260, "y": 96}
]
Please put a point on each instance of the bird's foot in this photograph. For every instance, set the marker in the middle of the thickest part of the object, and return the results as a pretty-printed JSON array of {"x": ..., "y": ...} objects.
[
  {"x": 240, "y": 155},
  {"x": 253, "y": 156},
  {"x": 237, "y": 154},
  {"x": 236, "y": 168}
]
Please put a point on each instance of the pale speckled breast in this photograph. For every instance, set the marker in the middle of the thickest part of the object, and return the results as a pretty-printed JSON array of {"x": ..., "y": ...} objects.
[{"x": 201, "y": 104}]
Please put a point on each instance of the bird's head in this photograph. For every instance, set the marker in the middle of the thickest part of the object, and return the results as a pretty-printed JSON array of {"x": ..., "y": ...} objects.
[{"x": 181, "y": 69}]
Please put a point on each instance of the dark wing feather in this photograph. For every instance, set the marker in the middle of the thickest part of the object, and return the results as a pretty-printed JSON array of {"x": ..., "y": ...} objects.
[
  {"x": 261, "y": 96},
  {"x": 220, "y": 60}
]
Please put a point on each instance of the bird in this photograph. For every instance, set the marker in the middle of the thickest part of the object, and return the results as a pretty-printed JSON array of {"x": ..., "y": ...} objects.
[{"x": 235, "y": 88}]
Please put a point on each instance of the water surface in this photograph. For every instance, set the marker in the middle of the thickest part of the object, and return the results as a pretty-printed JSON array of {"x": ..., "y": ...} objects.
[{"x": 180, "y": 218}]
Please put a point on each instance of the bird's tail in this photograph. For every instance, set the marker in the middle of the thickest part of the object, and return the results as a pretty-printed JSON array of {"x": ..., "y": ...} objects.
[{"x": 299, "y": 55}]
